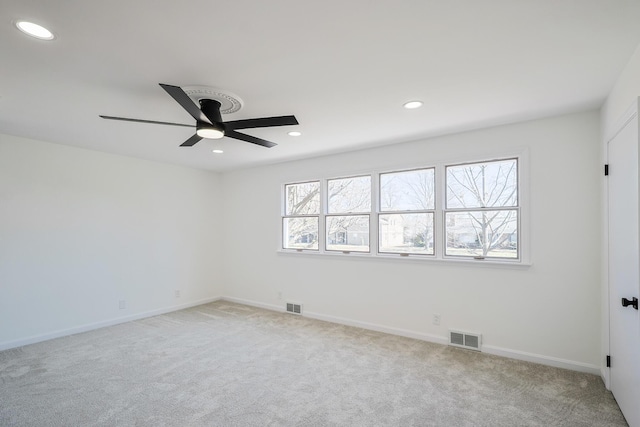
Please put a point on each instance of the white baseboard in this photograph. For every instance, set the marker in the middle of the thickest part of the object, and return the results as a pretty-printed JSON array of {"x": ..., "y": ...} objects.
[
  {"x": 489, "y": 349},
  {"x": 97, "y": 325},
  {"x": 604, "y": 374},
  {"x": 378, "y": 328},
  {"x": 258, "y": 304},
  {"x": 541, "y": 359},
  {"x": 345, "y": 321}
]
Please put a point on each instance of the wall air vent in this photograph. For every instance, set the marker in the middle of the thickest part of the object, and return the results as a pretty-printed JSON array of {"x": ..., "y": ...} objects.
[
  {"x": 294, "y": 308},
  {"x": 466, "y": 340}
]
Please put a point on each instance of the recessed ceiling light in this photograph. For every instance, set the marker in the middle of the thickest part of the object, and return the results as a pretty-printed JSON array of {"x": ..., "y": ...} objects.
[
  {"x": 34, "y": 30},
  {"x": 218, "y": 151},
  {"x": 412, "y": 104},
  {"x": 294, "y": 133}
]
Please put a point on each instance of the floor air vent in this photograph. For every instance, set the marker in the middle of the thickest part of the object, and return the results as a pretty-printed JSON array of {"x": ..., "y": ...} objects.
[
  {"x": 294, "y": 308},
  {"x": 465, "y": 340}
]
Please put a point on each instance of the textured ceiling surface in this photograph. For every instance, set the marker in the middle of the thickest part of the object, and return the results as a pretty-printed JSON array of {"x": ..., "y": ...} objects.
[{"x": 343, "y": 68}]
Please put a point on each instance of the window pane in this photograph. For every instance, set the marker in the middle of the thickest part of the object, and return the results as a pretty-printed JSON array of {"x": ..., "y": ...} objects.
[
  {"x": 406, "y": 233},
  {"x": 483, "y": 185},
  {"x": 347, "y": 195},
  {"x": 406, "y": 191},
  {"x": 300, "y": 233},
  {"x": 482, "y": 233},
  {"x": 348, "y": 233},
  {"x": 302, "y": 199}
]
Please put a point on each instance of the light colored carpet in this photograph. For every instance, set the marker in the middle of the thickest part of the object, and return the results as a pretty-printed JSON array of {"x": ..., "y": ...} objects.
[{"x": 225, "y": 364}]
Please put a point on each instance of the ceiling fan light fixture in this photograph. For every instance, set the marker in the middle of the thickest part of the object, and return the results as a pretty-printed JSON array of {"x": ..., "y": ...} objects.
[
  {"x": 209, "y": 131},
  {"x": 34, "y": 30},
  {"x": 294, "y": 133}
]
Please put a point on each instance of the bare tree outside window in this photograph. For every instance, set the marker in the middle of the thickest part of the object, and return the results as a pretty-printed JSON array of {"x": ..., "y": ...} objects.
[
  {"x": 349, "y": 195},
  {"x": 481, "y": 216},
  {"x": 302, "y": 213},
  {"x": 303, "y": 199}
]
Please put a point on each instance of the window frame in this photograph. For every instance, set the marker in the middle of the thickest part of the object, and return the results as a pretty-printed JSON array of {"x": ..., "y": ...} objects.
[
  {"x": 517, "y": 208},
  {"x": 380, "y": 212},
  {"x": 324, "y": 202},
  {"x": 520, "y": 154},
  {"x": 286, "y": 216}
]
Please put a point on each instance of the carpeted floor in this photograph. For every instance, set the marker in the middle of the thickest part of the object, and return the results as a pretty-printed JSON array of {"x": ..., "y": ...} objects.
[{"x": 225, "y": 364}]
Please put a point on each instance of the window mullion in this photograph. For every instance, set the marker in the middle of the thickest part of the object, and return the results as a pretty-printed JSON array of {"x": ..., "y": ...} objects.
[
  {"x": 440, "y": 208},
  {"x": 322, "y": 230},
  {"x": 374, "y": 227}
]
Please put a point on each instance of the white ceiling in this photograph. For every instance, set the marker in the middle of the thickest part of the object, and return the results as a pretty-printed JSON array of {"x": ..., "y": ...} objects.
[{"x": 343, "y": 68}]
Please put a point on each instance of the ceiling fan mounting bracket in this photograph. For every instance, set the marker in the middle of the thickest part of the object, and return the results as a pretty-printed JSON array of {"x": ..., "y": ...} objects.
[{"x": 229, "y": 102}]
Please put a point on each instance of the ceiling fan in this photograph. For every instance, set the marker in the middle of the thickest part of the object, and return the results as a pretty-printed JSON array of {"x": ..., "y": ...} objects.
[{"x": 209, "y": 122}]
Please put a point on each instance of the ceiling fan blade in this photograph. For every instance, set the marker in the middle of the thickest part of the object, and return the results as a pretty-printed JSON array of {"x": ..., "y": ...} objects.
[
  {"x": 191, "y": 141},
  {"x": 261, "y": 123},
  {"x": 248, "y": 138},
  {"x": 145, "y": 121},
  {"x": 187, "y": 103}
]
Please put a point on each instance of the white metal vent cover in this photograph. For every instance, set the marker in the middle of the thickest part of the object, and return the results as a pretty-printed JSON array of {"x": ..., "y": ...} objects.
[
  {"x": 294, "y": 308},
  {"x": 466, "y": 340}
]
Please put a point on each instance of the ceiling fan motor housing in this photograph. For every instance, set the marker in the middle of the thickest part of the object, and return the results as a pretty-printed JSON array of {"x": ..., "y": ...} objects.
[
  {"x": 215, "y": 129},
  {"x": 211, "y": 109}
]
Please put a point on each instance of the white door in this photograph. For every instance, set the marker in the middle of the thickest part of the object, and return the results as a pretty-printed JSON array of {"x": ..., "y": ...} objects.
[{"x": 624, "y": 269}]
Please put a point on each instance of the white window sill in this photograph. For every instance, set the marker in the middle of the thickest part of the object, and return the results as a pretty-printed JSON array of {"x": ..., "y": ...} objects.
[{"x": 463, "y": 262}]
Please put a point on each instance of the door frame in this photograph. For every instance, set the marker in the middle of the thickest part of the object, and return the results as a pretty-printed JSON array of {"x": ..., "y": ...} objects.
[{"x": 630, "y": 114}]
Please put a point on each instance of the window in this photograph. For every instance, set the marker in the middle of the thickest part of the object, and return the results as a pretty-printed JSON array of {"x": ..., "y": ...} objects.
[
  {"x": 482, "y": 211},
  {"x": 406, "y": 219},
  {"x": 348, "y": 211},
  {"x": 474, "y": 211},
  {"x": 301, "y": 216}
]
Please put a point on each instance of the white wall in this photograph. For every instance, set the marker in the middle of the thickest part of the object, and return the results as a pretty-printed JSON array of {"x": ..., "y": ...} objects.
[
  {"x": 548, "y": 312},
  {"x": 625, "y": 92},
  {"x": 81, "y": 230}
]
